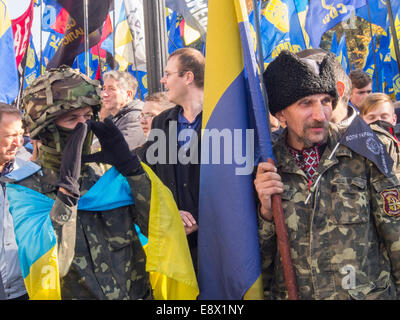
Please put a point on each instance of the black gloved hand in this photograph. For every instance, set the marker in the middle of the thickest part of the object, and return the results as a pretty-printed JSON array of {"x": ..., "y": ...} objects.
[
  {"x": 114, "y": 149},
  {"x": 70, "y": 169}
]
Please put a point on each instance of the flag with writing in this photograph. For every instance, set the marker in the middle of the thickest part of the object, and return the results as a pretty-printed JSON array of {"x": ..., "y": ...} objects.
[
  {"x": 360, "y": 138},
  {"x": 323, "y": 15},
  {"x": 73, "y": 41}
]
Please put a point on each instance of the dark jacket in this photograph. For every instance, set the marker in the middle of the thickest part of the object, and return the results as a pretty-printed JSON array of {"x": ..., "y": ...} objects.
[{"x": 167, "y": 171}]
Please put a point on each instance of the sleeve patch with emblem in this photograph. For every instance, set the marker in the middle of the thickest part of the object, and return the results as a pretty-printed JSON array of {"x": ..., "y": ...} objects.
[{"x": 391, "y": 204}]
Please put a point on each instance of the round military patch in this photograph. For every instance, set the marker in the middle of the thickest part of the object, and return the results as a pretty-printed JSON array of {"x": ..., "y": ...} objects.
[
  {"x": 373, "y": 146},
  {"x": 391, "y": 202}
]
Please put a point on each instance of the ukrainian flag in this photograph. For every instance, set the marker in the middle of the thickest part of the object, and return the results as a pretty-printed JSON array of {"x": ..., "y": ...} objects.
[
  {"x": 168, "y": 260},
  {"x": 9, "y": 84},
  {"x": 229, "y": 257}
]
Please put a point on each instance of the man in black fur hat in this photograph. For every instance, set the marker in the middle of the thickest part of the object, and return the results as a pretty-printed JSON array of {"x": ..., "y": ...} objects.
[{"x": 342, "y": 214}]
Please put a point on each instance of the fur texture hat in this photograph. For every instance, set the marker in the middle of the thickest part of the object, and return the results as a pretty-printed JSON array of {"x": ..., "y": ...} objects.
[{"x": 289, "y": 78}]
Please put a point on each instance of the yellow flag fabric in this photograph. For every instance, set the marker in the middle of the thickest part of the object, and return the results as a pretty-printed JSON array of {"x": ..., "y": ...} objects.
[
  {"x": 169, "y": 262},
  {"x": 43, "y": 280}
]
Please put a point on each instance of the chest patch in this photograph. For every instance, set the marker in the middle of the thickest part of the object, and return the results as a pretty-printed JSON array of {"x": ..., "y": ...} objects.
[{"x": 391, "y": 202}]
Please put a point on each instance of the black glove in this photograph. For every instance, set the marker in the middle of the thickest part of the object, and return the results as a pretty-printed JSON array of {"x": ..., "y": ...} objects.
[
  {"x": 114, "y": 149},
  {"x": 70, "y": 169}
]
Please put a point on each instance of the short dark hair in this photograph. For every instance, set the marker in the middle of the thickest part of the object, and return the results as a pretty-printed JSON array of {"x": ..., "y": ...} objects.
[
  {"x": 359, "y": 78},
  {"x": 6, "y": 108},
  {"x": 192, "y": 60}
]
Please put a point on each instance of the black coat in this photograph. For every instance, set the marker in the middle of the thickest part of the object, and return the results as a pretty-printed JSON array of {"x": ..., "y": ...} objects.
[{"x": 167, "y": 171}]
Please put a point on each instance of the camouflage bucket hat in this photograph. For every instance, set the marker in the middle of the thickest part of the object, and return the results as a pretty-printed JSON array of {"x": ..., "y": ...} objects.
[{"x": 56, "y": 92}]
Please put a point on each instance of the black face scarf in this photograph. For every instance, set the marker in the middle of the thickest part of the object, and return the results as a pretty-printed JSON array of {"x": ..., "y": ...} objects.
[{"x": 53, "y": 142}]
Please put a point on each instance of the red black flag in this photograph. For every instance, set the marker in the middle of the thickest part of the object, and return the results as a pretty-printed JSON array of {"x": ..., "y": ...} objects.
[{"x": 73, "y": 42}]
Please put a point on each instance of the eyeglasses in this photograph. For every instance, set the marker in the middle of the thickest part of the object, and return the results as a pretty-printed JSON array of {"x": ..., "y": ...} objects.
[
  {"x": 167, "y": 74},
  {"x": 146, "y": 115}
]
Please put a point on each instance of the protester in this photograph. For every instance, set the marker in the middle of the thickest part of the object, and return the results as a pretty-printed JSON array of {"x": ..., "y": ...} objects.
[
  {"x": 154, "y": 104},
  {"x": 344, "y": 113},
  {"x": 100, "y": 255},
  {"x": 361, "y": 83},
  {"x": 11, "y": 132},
  {"x": 341, "y": 212},
  {"x": 119, "y": 104},
  {"x": 184, "y": 83},
  {"x": 378, "y": 106}
]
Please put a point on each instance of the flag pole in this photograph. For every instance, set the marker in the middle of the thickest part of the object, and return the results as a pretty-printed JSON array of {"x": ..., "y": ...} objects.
[
  {"x": 86, "y": 33},
  {"x": 394, "y": 34},
  {"x": 279, "y": 218},
  {"x": 373, "y": 48},
  {"x": 41, "y": 45},
  {"x": 113, "y": 37}
]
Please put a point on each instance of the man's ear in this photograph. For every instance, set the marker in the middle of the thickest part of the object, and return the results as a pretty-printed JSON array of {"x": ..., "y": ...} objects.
[
  {"x": 280, "y": 116},
  {"x": 340, "y": 88},
  {"x": 189, "y": 77}
]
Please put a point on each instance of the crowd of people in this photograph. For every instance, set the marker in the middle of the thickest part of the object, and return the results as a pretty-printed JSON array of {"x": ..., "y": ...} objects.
[{"x": 341, "y": 211}]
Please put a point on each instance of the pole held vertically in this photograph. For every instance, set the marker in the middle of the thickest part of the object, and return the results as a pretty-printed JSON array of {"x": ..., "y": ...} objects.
[
  {"x": 156, "y": 42},
  {"x": 86, "y": 34}
]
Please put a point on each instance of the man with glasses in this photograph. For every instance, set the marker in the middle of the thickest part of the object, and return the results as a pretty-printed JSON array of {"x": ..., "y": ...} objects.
[
  {"x": 11, "y": 282},
  {"x": 119, "y": 104},
  {"x": 184, "y": 84}
]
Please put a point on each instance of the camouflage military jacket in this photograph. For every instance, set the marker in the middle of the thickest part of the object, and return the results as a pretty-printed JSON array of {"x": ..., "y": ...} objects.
[
  {"x": 99, "y": 253},
  {"x": 345, "y": 242}
]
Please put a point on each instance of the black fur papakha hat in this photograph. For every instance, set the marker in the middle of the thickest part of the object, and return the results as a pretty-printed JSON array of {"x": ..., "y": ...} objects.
[{"x": 289, "y": 78}]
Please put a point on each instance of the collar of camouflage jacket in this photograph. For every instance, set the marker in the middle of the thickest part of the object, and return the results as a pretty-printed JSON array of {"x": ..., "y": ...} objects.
[{"x": 287, "y": 164}]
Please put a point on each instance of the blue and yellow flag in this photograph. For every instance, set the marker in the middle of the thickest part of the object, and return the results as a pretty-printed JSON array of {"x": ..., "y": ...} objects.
[
  {"x": 393, "y": 60},
  {"x": 385, "y": 57},
  {"x": 280, "y": 29},
  {"x": 375, "y": 70},
  {"x": 342, "y": 54},
  {"x": 377, "y": 13},
  {"x": 32, "y": 68},
  {"x": 168, "y": 260},
  {"x": 323, "y": 15},
  {"x": 173, "y": 32},
  {"x": 229, "y": 257},
  {"x": 9, "y": 83}
]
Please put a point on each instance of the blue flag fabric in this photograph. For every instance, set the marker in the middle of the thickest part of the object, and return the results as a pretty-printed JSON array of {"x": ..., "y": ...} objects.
[
  {"x": 374, "y": 70},
  {"x": 280, "y": 29},
  {"x": 323, "y": 15},
  {"x": 9, "y": 83},
  {"x": 79, "y": 63},
  {"x": 51, "y": 47},
  {"x": 174, "y": 37},
  {"x": 378, "y": 13},
  {"x": 32, "y": 68},
  {"x": 229, "y": 257},
  {"x": 385, "y": 57},
  {"x": 342, "y": 53}
]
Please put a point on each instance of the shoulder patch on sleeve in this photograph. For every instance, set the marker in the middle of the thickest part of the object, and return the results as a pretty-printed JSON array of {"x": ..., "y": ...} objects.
[{"x": 391, "y": 202}]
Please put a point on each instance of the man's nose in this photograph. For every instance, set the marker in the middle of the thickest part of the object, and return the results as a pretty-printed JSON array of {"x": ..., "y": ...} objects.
[{"x": 318, "y": 112}]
